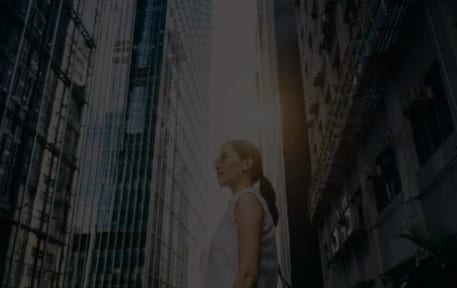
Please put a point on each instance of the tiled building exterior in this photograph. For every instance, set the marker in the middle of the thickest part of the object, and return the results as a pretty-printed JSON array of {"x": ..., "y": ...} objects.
[{"x": 379, "y": 87}]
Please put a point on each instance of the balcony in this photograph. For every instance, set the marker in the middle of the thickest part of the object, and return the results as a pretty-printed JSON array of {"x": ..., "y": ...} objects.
[
  {"x": 314, "y": 108},
  {"x": 315, "y": 10},
  {"x": 328, "y": 27},
  {"x": 350, "y": 228},
  {"x": 356, "y": 117},
  {"x": 319, "y": 79}
]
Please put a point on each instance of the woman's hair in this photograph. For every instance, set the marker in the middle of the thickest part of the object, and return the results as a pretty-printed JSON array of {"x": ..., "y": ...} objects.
[{"x": 248, "y": 150}]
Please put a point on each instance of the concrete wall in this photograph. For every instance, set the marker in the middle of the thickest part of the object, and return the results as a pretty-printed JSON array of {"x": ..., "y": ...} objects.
[{"x": 428, "y": 191}]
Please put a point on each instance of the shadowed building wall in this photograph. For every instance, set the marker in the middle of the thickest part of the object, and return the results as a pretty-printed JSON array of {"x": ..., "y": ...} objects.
[{"x": 305, "y": 264}]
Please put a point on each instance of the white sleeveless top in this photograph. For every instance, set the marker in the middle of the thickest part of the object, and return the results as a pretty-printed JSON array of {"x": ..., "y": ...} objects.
[{"x": 223, "y": 251}]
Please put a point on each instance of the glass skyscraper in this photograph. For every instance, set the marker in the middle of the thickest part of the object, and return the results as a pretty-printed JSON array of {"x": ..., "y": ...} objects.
[
  {"x": 140, "y": 197},
  {"x": 45, "y": 63}
]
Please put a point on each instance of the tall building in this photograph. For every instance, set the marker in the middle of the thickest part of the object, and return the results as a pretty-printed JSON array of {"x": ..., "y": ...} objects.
[
  {"x": 304, "y": 249},
  {"x": 245, "y": 99},
  {"x": 45, "y": 60},
  {"x": 380, "y": 104},
  {"x": 139, "y": 214},
  {"x": 269, "y": 122}
]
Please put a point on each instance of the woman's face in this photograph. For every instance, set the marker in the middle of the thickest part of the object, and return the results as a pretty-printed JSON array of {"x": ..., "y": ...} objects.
[{"x": 229, "y": 166}]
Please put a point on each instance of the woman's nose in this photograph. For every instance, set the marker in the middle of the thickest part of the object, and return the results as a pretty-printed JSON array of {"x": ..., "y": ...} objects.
[{"x": 216, "y": 164}]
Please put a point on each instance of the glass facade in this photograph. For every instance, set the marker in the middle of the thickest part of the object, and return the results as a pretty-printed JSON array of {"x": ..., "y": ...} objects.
[
  {"x": 45, "y": 54},
  {"x": 138, "y": 219}
]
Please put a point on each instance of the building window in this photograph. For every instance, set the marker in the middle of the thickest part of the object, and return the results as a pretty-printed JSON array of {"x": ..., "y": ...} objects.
[
  {"x": 328, "y": 27},
  {"x": 315, "y": 10},
  {"x": 351, "y": 11},
  {"x": 357, "y": 202},
  {"x": 430, "y": 114},
  {"x": 337, "y": 65},
  {"x": 306, "y": 70},
  {"x": 386, "y": 180},
  {"x": 310, "y": 41},
  {"x": 297, "y": 3}
]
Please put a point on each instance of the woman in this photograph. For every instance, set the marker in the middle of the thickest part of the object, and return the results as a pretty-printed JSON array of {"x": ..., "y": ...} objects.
[{"x": 243, "y": 251}]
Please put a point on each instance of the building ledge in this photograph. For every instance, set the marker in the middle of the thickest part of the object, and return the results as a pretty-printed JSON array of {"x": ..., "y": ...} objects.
[
  {"x": 397, "y": 201},
  {"x": 353, "y": 241},
  {"x": 437, "y": 165}
]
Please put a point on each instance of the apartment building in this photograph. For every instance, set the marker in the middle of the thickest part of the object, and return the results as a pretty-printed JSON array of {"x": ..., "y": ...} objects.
[{"x": 380, "y": 105}]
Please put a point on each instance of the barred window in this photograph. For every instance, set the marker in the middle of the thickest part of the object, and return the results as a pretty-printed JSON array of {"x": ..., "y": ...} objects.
[
  {"x": 387, "y": 182},
  {"x": 430, "y": 114}
]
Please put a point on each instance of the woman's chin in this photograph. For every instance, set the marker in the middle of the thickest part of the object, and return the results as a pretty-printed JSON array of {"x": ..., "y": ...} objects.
[{"x": 221, "y": 182}]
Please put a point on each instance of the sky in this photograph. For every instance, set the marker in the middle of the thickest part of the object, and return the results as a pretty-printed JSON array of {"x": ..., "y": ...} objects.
[{"x": 232, "y": 91}]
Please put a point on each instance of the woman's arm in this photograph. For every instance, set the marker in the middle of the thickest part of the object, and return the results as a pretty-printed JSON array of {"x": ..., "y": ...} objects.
[{"x": 249, "y": 220}]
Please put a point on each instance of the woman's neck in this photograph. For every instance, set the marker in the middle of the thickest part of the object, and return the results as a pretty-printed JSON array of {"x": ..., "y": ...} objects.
[{"x": 241, "y": 184}]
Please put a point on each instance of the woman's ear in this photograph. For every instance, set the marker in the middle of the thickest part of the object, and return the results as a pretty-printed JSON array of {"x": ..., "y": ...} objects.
[{"x": 247, "y": 164}]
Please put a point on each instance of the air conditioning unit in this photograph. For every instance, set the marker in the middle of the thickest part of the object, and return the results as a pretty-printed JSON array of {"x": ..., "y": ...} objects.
[
  {"x": 352, "y": 219},
  {"x": 384, "y": 281},
  {"x": 373, "y": 171},
  {"x": 421, "y": 93},
  {"x": 389, "y": 138},
  {"x": 339, "y": 215},
  {"x": 335, "y": 241},
  {"x": 414, "y": 93},
  {"x": 417, "y": 94},
  {"x": 343, "y": 234},
  {"x": 345, "y": 202},
  {"x": 428, "y": 93}
]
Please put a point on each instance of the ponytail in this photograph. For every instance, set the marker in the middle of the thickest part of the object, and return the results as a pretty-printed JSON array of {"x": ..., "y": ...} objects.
[
  {"x": 267, "y": 191},
  {"x": 246, "y": 149}
]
